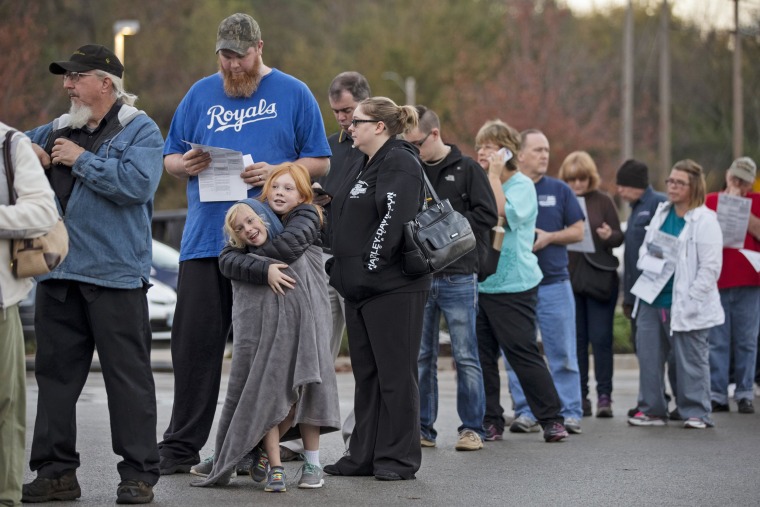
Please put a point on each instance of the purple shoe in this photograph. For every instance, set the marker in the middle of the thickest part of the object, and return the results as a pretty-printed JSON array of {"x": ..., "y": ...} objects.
[
  {"x": 493, "y": 433},
  {"x": 554, "y": 432}
]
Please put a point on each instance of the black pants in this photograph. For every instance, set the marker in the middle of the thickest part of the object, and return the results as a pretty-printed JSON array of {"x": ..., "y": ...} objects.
[
  {"x": 71, "y": 320},
  {"x": 509, "y": 321},
  {"x": 384, "y": 341},
  {"x": 202, "y": 321}
]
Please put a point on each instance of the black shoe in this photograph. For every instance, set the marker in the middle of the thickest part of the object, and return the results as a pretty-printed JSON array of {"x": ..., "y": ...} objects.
[
  {"x": 674, "y": 415},
  {"x": 169, "y": 466},
  {"x": 134, "y": 492},
  {"x": 387, "y": 475},
  {"x": 331, "y": 470},
  {"x": 587, "y": 407},
  {"x": 632, "y": 412},
  {"x": 41, "y": 489},
  {"x": 720, "y": 407},
  {"x": 745, "y": 406}
]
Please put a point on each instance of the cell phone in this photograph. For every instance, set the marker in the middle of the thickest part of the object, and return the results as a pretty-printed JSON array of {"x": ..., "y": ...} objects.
[
  {"x": 320, "y": 191},
  {"x": 506, "y": 154}
]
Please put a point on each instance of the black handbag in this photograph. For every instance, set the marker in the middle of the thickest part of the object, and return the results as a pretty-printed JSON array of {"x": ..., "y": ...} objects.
[
  {"x": 593, "y": 280},
  {"x": 436, "y": 237}
]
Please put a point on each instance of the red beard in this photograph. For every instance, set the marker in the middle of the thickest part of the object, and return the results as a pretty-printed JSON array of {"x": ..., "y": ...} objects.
[{"x": 241, "y": 85}]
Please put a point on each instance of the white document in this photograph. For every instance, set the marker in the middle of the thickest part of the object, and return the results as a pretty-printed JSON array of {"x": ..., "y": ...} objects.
[
  {"x": 753, "y": 257},
  {"x": 221, "y": 181},
  {"x": 587, "y": 243},
  {"x": 658, "y": 265},
  {"x": 733, "y": 217}
]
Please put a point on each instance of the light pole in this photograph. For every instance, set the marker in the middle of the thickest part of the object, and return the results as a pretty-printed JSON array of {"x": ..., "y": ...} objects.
[
  {"x": 121, "y": 29},
  {"x": 408, "y": 85}
]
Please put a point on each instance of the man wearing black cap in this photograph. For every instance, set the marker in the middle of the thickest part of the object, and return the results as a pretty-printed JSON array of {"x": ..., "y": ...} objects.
[
  {"x": 103, "y": 160},
  {"x": 633, "y": 187},
  {"x": 258, "y": 111}
]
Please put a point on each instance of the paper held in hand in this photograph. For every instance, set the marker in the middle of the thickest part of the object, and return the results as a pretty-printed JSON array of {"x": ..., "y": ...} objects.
[
  {"x": 587, "y": 243},
  {"x": 733, "y": 217},
  {"x": 221, "y": 181},
  {"x": 657, "y": 265}
]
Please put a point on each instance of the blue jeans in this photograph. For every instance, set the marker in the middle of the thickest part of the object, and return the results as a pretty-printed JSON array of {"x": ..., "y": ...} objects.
[
  {"x": 556, "y": 320},
  {"x": 738, "y": 334},
  {"x": 456, "y": 296}
]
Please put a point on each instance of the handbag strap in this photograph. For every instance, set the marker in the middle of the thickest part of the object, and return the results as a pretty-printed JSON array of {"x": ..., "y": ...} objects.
[
  {"x": 429, "y": 186},
  {"x": 8, "y": 159}
]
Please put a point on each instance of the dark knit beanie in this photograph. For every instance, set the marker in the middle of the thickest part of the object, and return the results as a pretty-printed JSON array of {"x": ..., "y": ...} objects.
[{"x": 633, "y": 174}]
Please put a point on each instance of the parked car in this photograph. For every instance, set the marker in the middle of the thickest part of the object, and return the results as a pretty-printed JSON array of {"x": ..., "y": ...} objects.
[{"x": 162, "y": 295}]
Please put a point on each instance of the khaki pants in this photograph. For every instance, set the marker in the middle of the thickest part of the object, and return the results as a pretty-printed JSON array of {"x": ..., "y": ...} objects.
[{"x": 12, "y": 406}]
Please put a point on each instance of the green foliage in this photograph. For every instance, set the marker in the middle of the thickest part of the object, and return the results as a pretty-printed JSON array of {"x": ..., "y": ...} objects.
[{"x": 621, "y": 334}]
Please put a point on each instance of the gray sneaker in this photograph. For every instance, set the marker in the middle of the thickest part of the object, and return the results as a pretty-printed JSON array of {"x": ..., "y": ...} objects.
[
  {"x": 204, "y": 468},
  {"x": 311, "y": 476},
  {"x": 524, "y": 424},
  {"x": 260, "y": 469}
]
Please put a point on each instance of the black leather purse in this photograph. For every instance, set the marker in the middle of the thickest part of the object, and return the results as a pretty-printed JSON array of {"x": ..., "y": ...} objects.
[{"x": 436, "y": 237}]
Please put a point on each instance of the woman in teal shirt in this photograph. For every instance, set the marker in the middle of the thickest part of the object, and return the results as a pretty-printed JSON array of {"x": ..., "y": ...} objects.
[{"x": 507, "y": 299}]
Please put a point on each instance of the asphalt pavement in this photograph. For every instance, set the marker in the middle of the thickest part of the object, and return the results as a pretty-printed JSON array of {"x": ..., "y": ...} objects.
[{"x": 611, "y": 463}]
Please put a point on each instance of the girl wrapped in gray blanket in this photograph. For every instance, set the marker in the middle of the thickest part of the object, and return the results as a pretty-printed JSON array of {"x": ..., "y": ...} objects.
[{"x": 282, "y": 380}]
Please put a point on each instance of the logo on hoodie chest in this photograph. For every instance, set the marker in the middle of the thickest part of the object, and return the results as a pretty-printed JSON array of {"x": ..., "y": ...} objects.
[{"x": 360, "y": 188}]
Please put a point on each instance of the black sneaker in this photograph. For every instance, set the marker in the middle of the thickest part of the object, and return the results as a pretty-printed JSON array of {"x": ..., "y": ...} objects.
[
  {"x": 554, "y": 432},
  {"x": 169, "y": 466},
  {"x": 720, "y": 407},
  {"x": 674, "y": 415},
  {"x": 41, "y": 489},
  {"x": 586, "y": 407},
  {"x": 745, "y": 406},
  {"x": 130, "y": 491},
  {"x": 633, "y": 411}
]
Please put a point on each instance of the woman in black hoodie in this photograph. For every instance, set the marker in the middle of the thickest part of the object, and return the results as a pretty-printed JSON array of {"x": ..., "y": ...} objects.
[{"x": 384, "y": 307}]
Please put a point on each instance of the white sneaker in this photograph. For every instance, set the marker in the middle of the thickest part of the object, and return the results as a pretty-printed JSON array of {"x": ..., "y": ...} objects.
[
  {"x": 695, "y": 423},
  {"x": 524, "y": 424}
]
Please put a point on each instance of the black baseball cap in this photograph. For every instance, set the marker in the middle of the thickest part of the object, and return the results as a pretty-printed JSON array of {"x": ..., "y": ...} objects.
[{"x": 90, "y": 57}]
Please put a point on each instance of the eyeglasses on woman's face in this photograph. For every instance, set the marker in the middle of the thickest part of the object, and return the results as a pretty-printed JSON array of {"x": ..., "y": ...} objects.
[
  {"x": 676, "y": 182},
  {"x": 356, "y": 121}
]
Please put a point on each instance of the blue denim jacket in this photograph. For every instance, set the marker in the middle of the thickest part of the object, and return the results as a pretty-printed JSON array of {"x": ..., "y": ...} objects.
[{"x": 109, "y": 214}]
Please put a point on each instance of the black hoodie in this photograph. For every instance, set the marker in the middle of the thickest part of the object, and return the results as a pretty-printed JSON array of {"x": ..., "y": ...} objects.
[{"x": 369, "y": 213}]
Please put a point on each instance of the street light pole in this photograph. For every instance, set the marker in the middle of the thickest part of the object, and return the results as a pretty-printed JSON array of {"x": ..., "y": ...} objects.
[
  {"x": 121, "y": 29},
  {"x": 408, "y": 85}
]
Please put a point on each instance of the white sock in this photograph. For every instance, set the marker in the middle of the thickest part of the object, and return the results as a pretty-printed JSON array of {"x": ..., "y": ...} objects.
[{"x": 312, "y": 457}]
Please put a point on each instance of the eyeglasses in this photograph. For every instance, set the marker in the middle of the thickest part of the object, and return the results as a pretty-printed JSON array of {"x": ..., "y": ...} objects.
[
  {"x": 74, "y": 76},
  {"x": 676, "y": 183},
  {"x": 356, "y": 121},
  {"x": 421, "y": 141},
  {"x": 576, "y": 178}
]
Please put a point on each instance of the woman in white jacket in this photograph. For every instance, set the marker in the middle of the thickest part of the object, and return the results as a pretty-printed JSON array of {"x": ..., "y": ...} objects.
[
  {"x": 684, "y": 310},
  {"x": 33, "y": 214}
]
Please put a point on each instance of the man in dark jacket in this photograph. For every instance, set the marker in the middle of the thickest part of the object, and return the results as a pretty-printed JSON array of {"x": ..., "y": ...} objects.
[{"x": 455, "y": 290}]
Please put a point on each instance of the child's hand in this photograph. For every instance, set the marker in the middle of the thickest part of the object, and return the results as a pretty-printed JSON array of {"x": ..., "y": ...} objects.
[{"x": 277, "y": 279}]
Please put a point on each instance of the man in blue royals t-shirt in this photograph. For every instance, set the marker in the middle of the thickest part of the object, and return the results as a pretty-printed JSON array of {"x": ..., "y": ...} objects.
[
  {"x": 272, "y": 117},
  {"x": 559, "y": 223}
]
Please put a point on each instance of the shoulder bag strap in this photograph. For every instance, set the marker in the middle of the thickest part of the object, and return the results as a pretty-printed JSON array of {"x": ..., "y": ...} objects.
[{"x": 8, "y": 159}]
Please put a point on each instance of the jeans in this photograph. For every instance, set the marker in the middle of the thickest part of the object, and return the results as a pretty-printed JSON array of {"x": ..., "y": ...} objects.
[
  {"x": 690, "y": 352},
  {"x": 739, "y": 332},
  {"x": 456, "y": 296},
  {"x": 556, "y": 320},
  {"x": 593, "y": 325}
]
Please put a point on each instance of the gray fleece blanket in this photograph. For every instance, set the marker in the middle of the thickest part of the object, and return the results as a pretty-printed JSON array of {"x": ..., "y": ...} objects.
[{"x": 280, "y": 357}]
